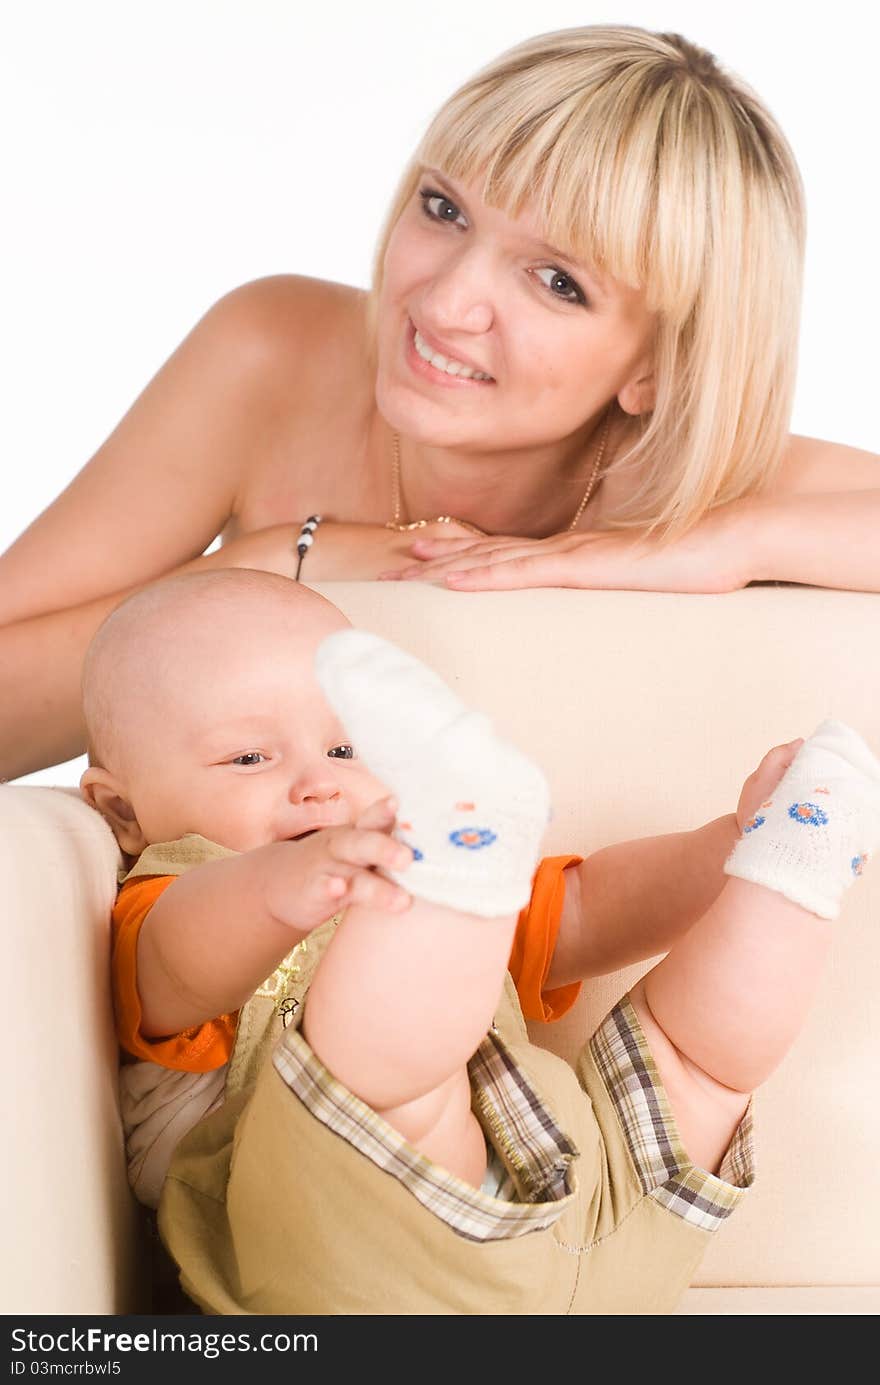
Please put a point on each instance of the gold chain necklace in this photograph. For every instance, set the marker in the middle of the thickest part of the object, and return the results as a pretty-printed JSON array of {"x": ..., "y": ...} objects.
[{"x": 395, "y": 522}]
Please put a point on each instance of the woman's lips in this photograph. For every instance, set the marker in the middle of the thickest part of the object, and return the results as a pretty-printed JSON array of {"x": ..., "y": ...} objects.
[{"x": 426, "y": 371}]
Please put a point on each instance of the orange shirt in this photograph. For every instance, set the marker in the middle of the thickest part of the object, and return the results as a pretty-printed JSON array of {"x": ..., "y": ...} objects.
[{"x": 207, "y": 1046}]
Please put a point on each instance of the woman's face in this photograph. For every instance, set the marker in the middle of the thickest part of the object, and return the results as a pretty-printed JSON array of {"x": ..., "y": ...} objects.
[{"x": 492, "y": 340}]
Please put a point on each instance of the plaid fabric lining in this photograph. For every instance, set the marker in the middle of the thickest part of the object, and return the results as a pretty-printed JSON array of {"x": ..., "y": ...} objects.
[
  {"x": 666, "y": 1173},
  {"x": 532, "y": 1143},
  {"x": 517, "y": 1119}
]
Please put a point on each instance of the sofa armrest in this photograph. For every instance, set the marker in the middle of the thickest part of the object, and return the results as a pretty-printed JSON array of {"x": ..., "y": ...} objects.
[{"x": 64, "y": 1181}]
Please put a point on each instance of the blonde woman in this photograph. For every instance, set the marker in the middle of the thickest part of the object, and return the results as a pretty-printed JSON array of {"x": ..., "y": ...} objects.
[{"x": 575, "y": 368}]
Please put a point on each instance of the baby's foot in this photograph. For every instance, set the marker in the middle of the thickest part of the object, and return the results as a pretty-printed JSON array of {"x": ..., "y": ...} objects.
[
  {"x": 472, "y": 807},
  {"x": 813, "y": 836}
]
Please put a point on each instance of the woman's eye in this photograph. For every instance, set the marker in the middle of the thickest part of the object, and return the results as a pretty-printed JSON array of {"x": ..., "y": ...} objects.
[
  {"x": 251, "y": 757},
  {"x": 561, "y": 285},
  {"x": 438, "y": 207},
  {"x": 341, "y": 752}
]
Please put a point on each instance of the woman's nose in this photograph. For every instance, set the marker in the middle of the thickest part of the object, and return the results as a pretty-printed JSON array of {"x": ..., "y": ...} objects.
[{"x": 458, "y": 298}]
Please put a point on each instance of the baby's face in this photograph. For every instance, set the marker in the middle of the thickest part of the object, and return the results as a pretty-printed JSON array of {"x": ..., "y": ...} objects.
[{"x": 237, "y": 743}]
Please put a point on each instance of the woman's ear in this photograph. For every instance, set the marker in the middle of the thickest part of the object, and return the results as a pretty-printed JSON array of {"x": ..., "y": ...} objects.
[
  {"x": 104, "y": 793},
  {"x": 639, "y": 394}
]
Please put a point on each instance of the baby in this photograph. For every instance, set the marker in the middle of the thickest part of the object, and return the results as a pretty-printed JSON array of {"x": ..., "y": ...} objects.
[{"x": 333, "y": 884}]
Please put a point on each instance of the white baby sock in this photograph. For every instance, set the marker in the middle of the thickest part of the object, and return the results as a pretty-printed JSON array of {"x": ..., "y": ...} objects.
[
  {"x": 812, "y": 837},
  {"x": 471, "y": 806}
]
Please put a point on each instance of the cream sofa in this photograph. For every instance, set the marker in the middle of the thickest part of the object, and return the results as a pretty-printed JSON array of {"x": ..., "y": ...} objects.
[{"x": 647, "y": 712}]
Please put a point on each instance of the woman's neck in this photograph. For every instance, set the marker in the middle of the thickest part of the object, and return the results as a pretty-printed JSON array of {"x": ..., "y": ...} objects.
[{"x": 532, "y": 492}]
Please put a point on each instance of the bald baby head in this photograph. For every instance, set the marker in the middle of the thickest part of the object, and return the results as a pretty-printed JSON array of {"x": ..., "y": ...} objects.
[{"x": 167, "y": 650}]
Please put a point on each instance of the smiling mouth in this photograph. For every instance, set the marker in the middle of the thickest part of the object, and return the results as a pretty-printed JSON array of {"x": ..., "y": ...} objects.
[{"x": 446, "y": 365}]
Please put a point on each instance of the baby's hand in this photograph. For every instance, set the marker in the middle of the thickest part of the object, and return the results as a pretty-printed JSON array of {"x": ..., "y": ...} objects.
[
  {"x": 760, "y": 785},
  {"x": 336, "y": 867}
]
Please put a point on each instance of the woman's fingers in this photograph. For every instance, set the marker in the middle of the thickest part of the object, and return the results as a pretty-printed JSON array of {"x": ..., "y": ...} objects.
[
  {"x": 437, "y": 556},
  {"x": 506, "y": 574},
  {"x": 473, "y": 559},
  {"x": 436, "y": 548}
]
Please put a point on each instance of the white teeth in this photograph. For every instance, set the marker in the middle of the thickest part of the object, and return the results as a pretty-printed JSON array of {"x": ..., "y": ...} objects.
[{"x": 449, "y": 367}]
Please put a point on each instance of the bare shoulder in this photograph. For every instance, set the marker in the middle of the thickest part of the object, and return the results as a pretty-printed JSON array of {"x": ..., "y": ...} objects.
[
  {"x": 289, "y": 320},
  {"x": 306, "y": 381},
  {"x": 811, "y": 464}
]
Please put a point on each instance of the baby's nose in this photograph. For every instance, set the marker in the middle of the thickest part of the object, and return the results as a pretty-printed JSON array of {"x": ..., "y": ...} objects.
[{"x": 316, "y": 788}]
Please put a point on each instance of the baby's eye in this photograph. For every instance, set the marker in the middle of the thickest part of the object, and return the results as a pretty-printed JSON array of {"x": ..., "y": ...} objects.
[
  {"x": 341, "y": 752},
  {"x": 561, "y": 285},
  {"x": 438, "y": 207},
  {"x": 251, "y": 757}
]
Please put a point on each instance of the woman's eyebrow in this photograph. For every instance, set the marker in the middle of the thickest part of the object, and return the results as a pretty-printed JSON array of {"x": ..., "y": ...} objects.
[
  {"x": 577, "y": 265},
  {"x": 444, "y": 182}
]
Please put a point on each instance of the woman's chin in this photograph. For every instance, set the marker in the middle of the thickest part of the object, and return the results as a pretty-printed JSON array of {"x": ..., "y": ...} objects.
[{"x": 432, "y": 423}]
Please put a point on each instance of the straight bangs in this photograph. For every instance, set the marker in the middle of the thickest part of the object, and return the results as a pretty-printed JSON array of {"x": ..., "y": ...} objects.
[
  {"x": 588, "y": 162},
  {"x": 650, "y": 166}
]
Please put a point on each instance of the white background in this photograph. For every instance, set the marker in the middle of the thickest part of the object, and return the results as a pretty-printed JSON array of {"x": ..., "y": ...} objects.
[{"x": 155, "y": 154}]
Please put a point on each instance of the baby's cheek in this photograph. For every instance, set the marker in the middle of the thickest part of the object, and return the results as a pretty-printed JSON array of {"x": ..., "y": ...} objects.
[{"x": 233, "y": 815}]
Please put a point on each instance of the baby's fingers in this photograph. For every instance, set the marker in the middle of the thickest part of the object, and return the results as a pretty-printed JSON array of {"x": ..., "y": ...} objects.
[
  {"x": 380, "y": 815},
  {"x": 332, "y": 886},
  {"x": 375, "y": 892},
  {"x": 352, "y": 846}
]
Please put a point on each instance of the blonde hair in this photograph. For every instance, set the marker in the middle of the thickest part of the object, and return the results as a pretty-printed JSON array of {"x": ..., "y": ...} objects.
[{"x": 651, "y": 164}]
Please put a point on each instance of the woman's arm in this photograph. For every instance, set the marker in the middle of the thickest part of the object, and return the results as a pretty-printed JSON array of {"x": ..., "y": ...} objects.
[
  {"x": 148, "y": 504},
  {"x": 150, "y": 501},
  {"x": 163, "y": 484},
  {"x": 818, "y": 540},
  {"x": 817, "y": 525}
]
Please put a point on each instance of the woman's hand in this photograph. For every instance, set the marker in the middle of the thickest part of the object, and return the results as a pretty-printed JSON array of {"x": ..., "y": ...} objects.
[
  {"x": 710, "y": 557},
  {"x": 340, "y": 552}
]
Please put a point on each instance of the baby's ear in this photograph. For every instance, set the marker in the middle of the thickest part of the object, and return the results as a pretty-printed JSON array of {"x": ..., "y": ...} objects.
[{"x": 102, "y": 791}]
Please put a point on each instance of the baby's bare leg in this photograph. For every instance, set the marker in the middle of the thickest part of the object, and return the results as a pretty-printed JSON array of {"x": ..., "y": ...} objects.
[
  {"x": 398, "y": 1005},
  {"x": 400, "y": 1002},
  {"x": 722, "y": 1009}
]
